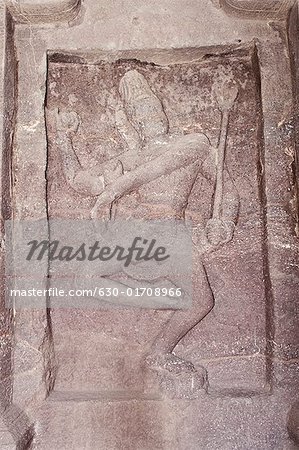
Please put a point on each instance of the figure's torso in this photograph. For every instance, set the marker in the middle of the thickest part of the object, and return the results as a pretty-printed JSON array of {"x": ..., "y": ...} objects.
[{"x": 166, "y": 196}]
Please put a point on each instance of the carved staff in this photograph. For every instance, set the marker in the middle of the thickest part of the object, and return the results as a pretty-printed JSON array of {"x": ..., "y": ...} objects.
[{"x": 226, "y": 101}]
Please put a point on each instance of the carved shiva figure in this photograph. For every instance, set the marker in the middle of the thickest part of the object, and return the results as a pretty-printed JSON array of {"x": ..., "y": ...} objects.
[{"x": 162, "y": 168}]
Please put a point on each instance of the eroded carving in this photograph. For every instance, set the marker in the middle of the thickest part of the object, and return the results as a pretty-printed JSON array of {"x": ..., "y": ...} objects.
[{"x": 162, "y": 168}]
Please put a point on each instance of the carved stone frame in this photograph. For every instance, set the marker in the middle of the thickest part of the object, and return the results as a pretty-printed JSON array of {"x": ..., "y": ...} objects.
[{"x": 23, "y": 88}]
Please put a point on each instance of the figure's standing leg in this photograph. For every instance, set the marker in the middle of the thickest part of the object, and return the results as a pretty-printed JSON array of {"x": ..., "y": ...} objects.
[{"x": 180, "y": 323}]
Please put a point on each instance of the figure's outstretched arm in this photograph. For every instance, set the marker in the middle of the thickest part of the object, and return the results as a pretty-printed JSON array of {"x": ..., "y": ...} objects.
[
  {"x": 70, "y": 162},
  {"x": 82, "y": 181},
  {"x": 92, "y": 182},
  {"x": 67, "y": 124}
]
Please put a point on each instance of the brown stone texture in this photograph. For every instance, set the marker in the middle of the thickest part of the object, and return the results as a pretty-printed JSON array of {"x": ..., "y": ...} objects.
[{"x": 82, "y": 378}]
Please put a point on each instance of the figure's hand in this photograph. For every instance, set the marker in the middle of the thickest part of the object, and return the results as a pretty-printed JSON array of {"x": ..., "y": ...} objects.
[
  {"x": 113, "y": 171},
  {"x": 219, "y": 232},
  {"x": 67, "y": 121},
  {"x": 111, "y": 175},
  {"x": 103, "y": 200}
]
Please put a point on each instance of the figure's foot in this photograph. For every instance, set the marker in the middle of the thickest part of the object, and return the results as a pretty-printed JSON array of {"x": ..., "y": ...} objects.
[
  {"x": 177, "y": 378},
  {"x": 170, "y": 362}
]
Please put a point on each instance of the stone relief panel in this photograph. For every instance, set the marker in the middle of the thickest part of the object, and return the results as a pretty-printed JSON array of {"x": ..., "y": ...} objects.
[
  {"x": 129, "y": 138},
  {"x": 103, "y": 386}
]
